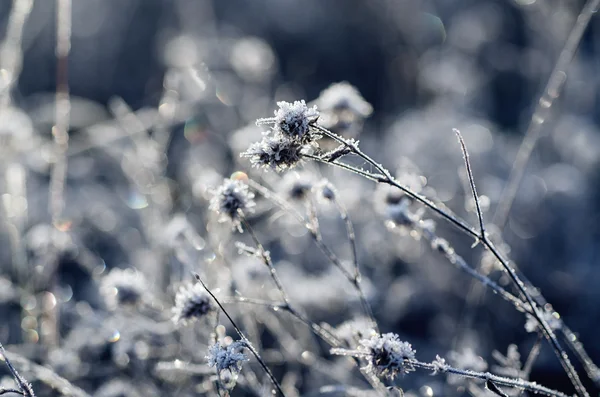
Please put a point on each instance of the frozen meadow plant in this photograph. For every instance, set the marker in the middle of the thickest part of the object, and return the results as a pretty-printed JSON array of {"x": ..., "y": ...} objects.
[
  {"x": 282, "y": 147},
  {"x": 277, "y": 152},
  {"x": 292, "y": 120},
  {"x": 227, "y": 360},
  {"x": 191, "y": 303},
  {"x": 342, "y": 106},
  {"x": 123, "y": 287},
  {"x": 232, "y": 199},
  {"x": 387, "y": 355}
]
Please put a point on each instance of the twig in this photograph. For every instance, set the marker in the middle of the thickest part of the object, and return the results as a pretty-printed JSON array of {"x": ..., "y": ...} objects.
[
  {"x": 24, "y": 386},
  {"x": 465, "y": 153}
]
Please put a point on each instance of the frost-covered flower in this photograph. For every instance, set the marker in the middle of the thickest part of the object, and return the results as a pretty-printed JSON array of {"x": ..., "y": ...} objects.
[
  {"x": 342, "y": 107},
  {"x": 292, "y": 119},
  {"x": 230, "y": 198},
  {"x": 191, "y": 303},
  {"x": 388, "y": 355},
  {"x": 297, "y": 186},
  {"x": 227, "y": 360},
  {"x": 123, "y": 287},
  {"x": 277, "y": 152},
  {"x": 344, "y": 96},
  {"x": 354, "y": 330}
]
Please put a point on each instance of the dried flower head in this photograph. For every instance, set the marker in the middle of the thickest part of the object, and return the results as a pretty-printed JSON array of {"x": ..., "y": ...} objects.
[
  {"x": 354, "y": 330},
  {"x": 297, "y": 185},
  {"x": 292, "y": 119},
  {"x": 191, "y": 303},
  {"x": 229, "y": 199},
  {"x": 342, "y": 107},
  {"x": 388, "y": 355},
  {"x": 277, "y": 152},
  {"x": 123, "y": 287},
  {"x": 344, "y": 96},
  {"x": 227, "y": 360}
]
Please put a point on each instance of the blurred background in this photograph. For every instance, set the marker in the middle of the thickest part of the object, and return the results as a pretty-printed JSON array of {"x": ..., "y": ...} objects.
[{"x": 162, "y": 98}]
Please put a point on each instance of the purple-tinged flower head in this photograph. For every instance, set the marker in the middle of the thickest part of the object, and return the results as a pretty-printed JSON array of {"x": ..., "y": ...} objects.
[
  {"x": 326, "y": 190},
  {"x": 277, "y": 152},
  {"x": 191, "y": 303},
  {"x": 123, "y": 287},
  {"x": 227, "y": 360},
  {"x": 231, "y": 198},
  {"x": 292, "y": 120},
  {"x": 388, "y": 355},
  {"x": 297, "y": 185}
]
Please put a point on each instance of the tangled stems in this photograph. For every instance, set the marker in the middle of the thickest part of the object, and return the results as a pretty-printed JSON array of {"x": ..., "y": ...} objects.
[
  {"x": 385, "y": 176},
  {"x": 287, "y": 306},
  {"x": 315, "y": 232}
]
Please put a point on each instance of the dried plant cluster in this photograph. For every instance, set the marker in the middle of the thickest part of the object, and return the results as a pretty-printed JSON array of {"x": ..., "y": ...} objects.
[{"x": 196, "y": 247}]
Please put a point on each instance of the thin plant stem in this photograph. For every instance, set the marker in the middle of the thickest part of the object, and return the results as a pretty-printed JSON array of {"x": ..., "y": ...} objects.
[
  {"x": 24, "y": 386},
  {"x": 551, "y": 92},
  {"x": 354, "y": 279},
  {"x": 243, "y": 337},
  {"x": 489, "y": 377},
  {"x": 465, "y": 153}
]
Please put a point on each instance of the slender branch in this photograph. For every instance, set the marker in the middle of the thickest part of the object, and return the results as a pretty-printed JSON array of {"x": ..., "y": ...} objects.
[
  {"x": 315, "y": 231},
  {"x": 465, "y": 153},
  {"x": 24, "y": 386},
  {"x": 489, "y": 377},
  {"x": 543, "y": 107}
]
